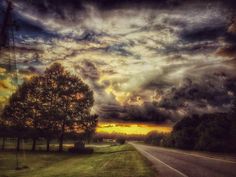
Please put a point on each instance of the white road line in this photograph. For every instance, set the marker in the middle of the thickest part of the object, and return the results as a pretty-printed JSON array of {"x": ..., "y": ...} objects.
[
  {"x": 194, "y": 155},
  {"x": 177, "y": 171}
]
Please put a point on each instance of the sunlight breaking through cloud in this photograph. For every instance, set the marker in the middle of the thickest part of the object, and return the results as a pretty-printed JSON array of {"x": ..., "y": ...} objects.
[{"x": 137, "y": 59}]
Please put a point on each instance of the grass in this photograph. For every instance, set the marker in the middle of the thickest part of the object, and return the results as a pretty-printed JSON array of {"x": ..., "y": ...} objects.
[{"x": 107, "y": 161}]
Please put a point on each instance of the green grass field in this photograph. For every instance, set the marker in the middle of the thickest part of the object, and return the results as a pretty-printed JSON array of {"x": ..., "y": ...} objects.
[{"x": 106, "y": 161}]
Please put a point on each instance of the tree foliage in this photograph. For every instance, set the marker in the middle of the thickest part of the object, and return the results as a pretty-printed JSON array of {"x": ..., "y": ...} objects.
[
  {"x": 208, "y": 132},
  {"x": 154, "y": 138},
  {"x": 51, "y": 106}
]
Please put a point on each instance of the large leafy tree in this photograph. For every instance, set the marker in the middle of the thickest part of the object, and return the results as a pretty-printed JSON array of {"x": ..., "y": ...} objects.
[
  {"x": 51, "y": 105},
  {"x": 70, "y": 100},
  {"x": 3, "y": 133},
  {"x": 24, "y": 112},
  {"x": 15, "y": 115},
  {"x": 209, "y": 132},
  {"x": 34, "y": 102}
]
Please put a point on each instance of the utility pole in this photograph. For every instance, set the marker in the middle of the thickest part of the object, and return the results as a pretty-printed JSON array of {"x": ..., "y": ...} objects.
[
  {"x": 7, "y": 32},
  {"x": 4, "y": 34}
]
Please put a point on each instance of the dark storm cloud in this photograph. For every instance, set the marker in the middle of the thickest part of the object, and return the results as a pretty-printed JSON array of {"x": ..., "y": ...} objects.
[
  {"x": 144, "y": 113},
  {"x": 189, "y": 48},
  {"x": 177, "y": 58},
  {"x": 199, "y": 37},
  {"x": 111, "y": 111},
  {"x": 30, "y": 70},
  {"x": 154, "y": 84},
  {"x": 213, "y": 91},
  {"x": 204, "y": 34},
  {"x": 29, "y": 49},
  {"x": 203, "y": 93},
  {"x": 88, "y": 70},
  {"x": 23, "y": 26},
  {"x": 120, "y": 49},
  {"x": 231, "y": 85},
  {"x": 35, "y": 61},
  {"x": 174, "y": 42},
  {"x": 28, "y": 26},
  {"x": 194, "y": 38},
  {"x": 231, "y": 37},
  {"x": 229, "y": 50},
  {"x": 105, "y": 104},
  {"x": 45, "y": 5},
  {"x": 53, "y": 6}
]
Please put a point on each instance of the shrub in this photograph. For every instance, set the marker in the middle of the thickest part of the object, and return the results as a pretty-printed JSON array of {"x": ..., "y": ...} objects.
[
  {"x": 120, "y": 141},
  {"x": 87, "y": 150},
  {"x": 154, "y": 138},
  {"x": 208, "y": 132}
]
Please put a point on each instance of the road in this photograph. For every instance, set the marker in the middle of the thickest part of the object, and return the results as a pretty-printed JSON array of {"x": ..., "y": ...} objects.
[{"x": 175, "y": 163}]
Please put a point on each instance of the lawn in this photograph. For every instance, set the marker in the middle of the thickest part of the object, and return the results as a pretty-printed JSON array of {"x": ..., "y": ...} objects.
[{"x": 106, "y": 161}]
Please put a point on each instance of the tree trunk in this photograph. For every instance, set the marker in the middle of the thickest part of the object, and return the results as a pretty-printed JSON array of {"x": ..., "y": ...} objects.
[
  {"x": 48, "y": 145},
  {"x": 18, "y": 144},
  {"x": 34, "y": 144},
  {"x": 3, "y": 143},
  {"x": 61, "y": 139}
]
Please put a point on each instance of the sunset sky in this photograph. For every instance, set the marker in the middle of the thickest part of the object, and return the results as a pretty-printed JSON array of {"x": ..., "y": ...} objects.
[
  {"x": 146, "y": 61},
  {"x": 130, "y": 128}
]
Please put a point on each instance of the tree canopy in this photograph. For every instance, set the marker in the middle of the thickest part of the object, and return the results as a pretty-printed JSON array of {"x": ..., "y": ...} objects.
[
  {"x": 208, "y": 132},
  {"x": 51, "y": 106}
]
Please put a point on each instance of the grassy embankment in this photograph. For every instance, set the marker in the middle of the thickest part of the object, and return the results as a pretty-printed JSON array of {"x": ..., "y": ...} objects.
[{"x": 106, "y": 161}]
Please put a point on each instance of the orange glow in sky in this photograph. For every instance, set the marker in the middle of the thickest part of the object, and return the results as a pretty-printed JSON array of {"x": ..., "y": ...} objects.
[{"x": 131, "y": 128}]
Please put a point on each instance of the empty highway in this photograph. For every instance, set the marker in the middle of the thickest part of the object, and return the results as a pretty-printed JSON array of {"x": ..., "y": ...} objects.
[{"x": 175, "y": 163}]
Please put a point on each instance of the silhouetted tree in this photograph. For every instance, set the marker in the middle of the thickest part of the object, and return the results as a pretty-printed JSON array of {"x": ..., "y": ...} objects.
[
  {"x": 15, "y": 115},
  {"x": 3, "y": 133},
  {"x": 70, "y": 101},
  {"x": 231, "y": 86},
  {"x": 34, "y": 101},
  {"x": 213, "y": 133},
  {"x": 154, "y": 138},
  {"x": 209, "y": 132},
  {"x": 49, "y": 106},
  {"x": 184, "y": 132}
]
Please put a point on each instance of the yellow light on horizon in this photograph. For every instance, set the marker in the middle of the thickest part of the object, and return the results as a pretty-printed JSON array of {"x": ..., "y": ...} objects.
[{"x": 131, "y": 128}]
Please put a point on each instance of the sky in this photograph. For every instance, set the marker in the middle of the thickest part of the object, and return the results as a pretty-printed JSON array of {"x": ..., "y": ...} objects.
[
  {"x": 146, "y": 61},
  {"x": 131, "y": 128}
]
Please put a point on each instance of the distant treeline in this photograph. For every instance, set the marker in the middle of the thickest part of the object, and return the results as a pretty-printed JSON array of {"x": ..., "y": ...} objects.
[
  {"x": 99, "y": 137},
  {"x": 214, "y": 132},
  {"x": 55, "y": 105}
]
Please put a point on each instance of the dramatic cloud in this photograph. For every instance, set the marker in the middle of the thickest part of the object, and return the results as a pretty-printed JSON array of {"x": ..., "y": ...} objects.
[{"x": 145, "y": 60}]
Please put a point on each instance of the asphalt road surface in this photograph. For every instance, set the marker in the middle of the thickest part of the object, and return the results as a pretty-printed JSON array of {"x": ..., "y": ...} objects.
[{"x": 175, "y": 163}]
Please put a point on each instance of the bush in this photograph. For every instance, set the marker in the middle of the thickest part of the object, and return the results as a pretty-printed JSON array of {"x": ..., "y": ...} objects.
[
  {"x": 154, "y": 138},
  {"x": 97, "y": 139},
  {"x": 120, "y": 141},
  {"x": 87, "y": 150},
  {"x": 208, "y": 132},
  {"x": 167, "y": 141}
]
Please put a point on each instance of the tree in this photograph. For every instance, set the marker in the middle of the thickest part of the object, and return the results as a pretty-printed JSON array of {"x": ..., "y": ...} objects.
[
  {"x": 70, "y": 100},
  {"x": 52, "y": 105},
  {"x": 231, "y": 86},
  {"x": 184, "y": 132},
  {"x": 34, "y": 102},
  {"x": 209, "y": 132},
  {"x": 15, "y": 115},
  {"x": 49, "y": 129},
  {"x": 154, "y": 138},
  {"x": 24, "y": 110},
  {"x": 3, "y": 133},
  {"x": 120, "y": 141}
]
